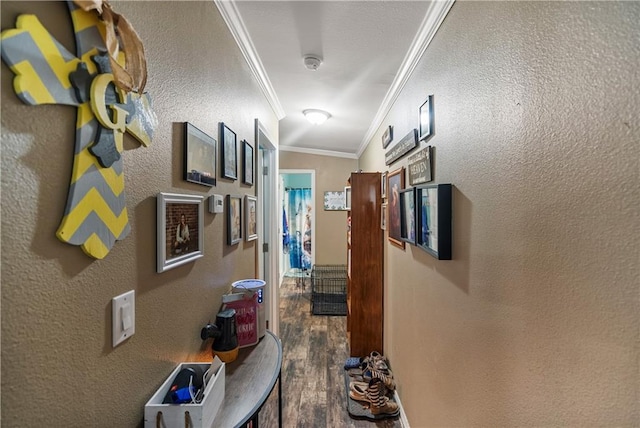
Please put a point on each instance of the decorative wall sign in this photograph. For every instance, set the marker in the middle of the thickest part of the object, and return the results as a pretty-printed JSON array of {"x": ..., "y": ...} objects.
[
  {"x": 46, "y": 73},
  {"x": 387, "y": 137},
  {"x": 420, "y": 167},
  {"x": 433, "y": 219},
  {"x": 180, "y": 234},
  {"x": 426, "y": 118},
  {"x": 199, "y": 156},
  {"x": 334, "y": 201},
  {"x": 404, "y": 146}
]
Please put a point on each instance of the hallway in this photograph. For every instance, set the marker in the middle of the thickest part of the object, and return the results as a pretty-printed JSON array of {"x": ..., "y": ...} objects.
[{"x": 314, "y": 352}]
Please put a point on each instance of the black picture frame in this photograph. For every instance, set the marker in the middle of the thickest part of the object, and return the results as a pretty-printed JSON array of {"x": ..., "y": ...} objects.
[
  {"x": 247, "y": 161},
  {"x": 200, "y": 153},
  {"x": 426, "y": 119},
  {"x": 407, "y": 216},
  {"x": 387, "y": 137},
  {"x": 395, "y": 183},
  {"x": 229, "y": 157},
  {"x": 434, "y": 204},
  {"x": 234, "y": 219}
]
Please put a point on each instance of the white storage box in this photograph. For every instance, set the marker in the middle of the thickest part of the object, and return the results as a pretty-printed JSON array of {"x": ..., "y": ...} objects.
[{"x": 196, "y": 415}]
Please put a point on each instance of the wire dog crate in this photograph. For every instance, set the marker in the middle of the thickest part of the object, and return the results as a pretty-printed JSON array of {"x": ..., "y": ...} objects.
[{"x": 329, "y": 290}]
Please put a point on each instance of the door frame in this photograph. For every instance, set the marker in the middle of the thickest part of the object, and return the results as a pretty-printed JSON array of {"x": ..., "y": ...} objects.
[
  {"x": 312, "y": 172},
  {"x": 267, "y": 190}
]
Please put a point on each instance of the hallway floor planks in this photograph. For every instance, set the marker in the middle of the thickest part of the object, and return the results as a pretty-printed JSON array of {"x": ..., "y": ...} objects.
[{"x": 314, "y": 351}]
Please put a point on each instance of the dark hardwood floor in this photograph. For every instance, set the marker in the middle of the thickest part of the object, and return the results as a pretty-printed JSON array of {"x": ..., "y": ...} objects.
[{"x": 314, "y": 352}]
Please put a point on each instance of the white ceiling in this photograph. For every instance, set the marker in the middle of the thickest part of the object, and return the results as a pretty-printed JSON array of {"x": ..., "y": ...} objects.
[{"x": 368, "y": 49}]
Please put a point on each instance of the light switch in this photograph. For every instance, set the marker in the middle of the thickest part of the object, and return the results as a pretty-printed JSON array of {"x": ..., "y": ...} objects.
[{"x": 123, "y": 317}]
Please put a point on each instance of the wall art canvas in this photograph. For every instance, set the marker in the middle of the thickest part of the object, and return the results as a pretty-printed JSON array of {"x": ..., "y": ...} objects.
[
  {"x": 47, "y": 73},
  {"x": 407, "y": 216},
  {"x": 251, "y": 213},
  {"x": 234, "y": 219},
  {"x": 394, "y": 186},
  {"x": 247, "y": 158},
  {"x": 228, "y": 141},
  {"x": 434, "y": 220},
  {"x": 199, "y": 156}
]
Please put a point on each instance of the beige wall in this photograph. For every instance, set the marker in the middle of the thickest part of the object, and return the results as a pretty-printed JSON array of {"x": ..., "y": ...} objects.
[
  {"x": 58, "y": 365},
  {"x": 332, "y": 174},
  {"x": 536, "y": 320}
]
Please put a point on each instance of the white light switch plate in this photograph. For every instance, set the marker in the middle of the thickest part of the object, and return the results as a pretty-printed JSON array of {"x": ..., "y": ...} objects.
[{"x": 123, "y": 317}]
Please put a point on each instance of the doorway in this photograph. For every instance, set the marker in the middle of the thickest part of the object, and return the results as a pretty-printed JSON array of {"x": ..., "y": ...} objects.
[
  {"x": 267, "y": 255},
  {"x": 297, "y": 211}
]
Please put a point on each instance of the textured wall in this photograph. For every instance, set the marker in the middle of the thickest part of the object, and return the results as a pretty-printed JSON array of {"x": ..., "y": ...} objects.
[
  {"x": 332, "y": 174},
  {"x": 536, "y": 320},
  {"x": 58, "y": 365}
]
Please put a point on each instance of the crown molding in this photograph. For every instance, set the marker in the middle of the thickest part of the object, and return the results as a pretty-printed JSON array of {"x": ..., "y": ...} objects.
[
  {"x": 318, "y": 152},
  {"x": 234, "y": 22},
  {"x": 433, "y": 19}
]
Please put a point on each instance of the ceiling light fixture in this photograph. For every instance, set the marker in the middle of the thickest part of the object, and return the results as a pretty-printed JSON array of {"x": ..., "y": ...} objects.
[{"x": 315, "y": 116}]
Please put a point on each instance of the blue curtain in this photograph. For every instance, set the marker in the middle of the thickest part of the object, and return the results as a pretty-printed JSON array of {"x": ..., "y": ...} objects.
[{"x": 299, "y": 227}]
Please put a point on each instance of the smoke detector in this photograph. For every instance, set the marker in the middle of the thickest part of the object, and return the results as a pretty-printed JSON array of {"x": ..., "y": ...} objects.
[{"x": 312, "y": 62}]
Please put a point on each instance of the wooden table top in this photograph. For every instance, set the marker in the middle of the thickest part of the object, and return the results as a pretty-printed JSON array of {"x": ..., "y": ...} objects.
[{"x": 249, "y": 380}]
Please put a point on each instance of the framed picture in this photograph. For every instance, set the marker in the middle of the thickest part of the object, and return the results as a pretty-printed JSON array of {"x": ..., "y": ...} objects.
[
  {"x": 199, "y": 156},
  {"x": 234, "y": 216},
  {"x": 426, "y": 118},
  {"x": 383, "y": 216},
  {"x": 229, "y": 152},
  {"x": 347, "y": 198},
  {"x": 383, "y": 185},
  {"x": 434, "y": 219},
  {"x": 250, "y": 224},
  {"x": 395, "y": 183},
  {"x": 180, "y": 230},
  {"x": 407, "y": 216},
  {"x": 334, "y": 201},
  {"x": 387, "y": 137},
  {"x": 247, "y": 157}
]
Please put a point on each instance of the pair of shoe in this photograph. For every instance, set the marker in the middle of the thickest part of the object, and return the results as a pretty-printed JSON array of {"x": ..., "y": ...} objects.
[
  {"x": 374, "y": 393},
  {"x": 375, "y": 366}
]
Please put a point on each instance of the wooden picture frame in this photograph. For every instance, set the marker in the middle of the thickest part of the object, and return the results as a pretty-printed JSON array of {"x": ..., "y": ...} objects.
[
  {"x": 387, "y": 137},
  {"x": 395, "y": 183},
  {"x": 250, "y": 218},
  {"x": 234, "y": 219},
  {"x": 434, "y": 205},
  {"x": 426, "y": 119},
  {"x": 247, "y": 161},
  {"x": 407, "y": 216},
  {"x": 229, "y": 151},
  {"x": 200, "y": 152},
  {"x": 180, "y": 230}
]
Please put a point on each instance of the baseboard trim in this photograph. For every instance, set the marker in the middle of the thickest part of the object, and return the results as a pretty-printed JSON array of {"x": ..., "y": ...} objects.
[{"x": 404, "y": 422}]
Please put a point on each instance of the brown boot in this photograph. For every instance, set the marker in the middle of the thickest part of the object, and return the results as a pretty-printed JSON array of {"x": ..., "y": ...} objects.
[{"x": 380, "y": 403}]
